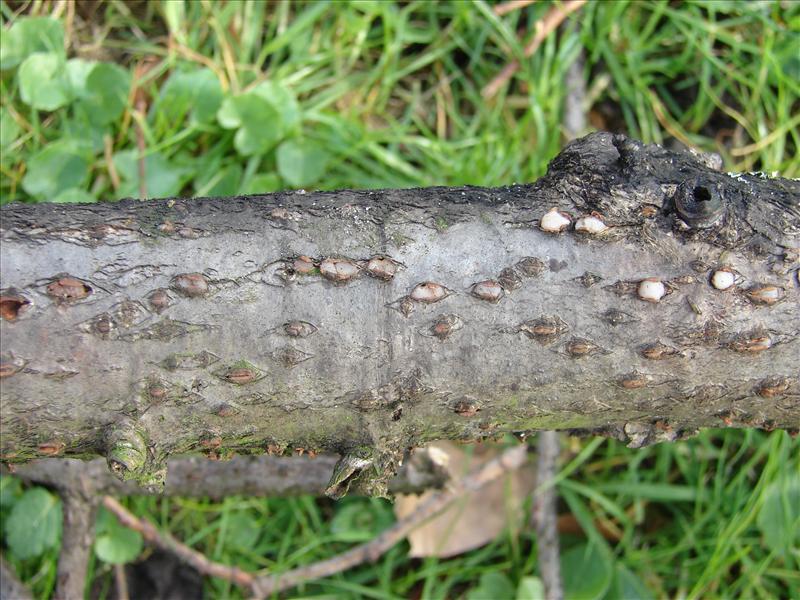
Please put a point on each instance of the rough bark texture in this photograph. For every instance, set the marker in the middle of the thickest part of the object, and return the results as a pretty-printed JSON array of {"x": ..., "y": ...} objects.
[{"x": 136, "y": 330}]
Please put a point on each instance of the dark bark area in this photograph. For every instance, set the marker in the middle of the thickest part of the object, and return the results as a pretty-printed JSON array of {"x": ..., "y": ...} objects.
[{"x": 368, "y": 322}]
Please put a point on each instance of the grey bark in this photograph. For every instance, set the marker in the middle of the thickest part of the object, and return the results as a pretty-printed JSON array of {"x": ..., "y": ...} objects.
[{"x": 137, "y": 330}]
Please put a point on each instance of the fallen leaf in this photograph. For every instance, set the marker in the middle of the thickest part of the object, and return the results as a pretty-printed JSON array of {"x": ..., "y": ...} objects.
[{"x": 478, "y": 517}]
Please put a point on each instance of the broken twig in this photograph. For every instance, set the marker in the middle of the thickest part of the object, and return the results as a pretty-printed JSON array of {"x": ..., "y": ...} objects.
[{"x": 544, "y": 27}]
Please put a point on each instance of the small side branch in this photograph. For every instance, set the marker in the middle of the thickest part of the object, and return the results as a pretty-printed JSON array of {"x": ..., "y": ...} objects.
[
  {"x": 266, "y": 585},
  {"x": 544, "y": 516},
  {"x": 544, "y": 27},
  {"x": 196, "y": 476},
  {"x": 170, "y": 544},
  {"x": 76, "y": 545}
]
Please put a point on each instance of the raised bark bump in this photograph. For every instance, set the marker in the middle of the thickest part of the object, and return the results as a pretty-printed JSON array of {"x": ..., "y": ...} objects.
[
  {"x": 429, "y": 292},
  {"x": 190, "y": 285},
  {"x": 13, "y": 304},
  {"x": 488, "y": 290},
  {"x": 299, "y": 329},
  {"x": 68, "y": 289},
  {"x": 160, "y": 300},
  {"x": 339, "y": 270}
]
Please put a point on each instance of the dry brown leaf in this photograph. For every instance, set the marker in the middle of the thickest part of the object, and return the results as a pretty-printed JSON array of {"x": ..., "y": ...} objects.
[{"x": 479, "y": 517}]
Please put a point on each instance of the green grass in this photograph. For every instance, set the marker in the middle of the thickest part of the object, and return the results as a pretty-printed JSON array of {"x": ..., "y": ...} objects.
[{"x": 231, "y": 97}]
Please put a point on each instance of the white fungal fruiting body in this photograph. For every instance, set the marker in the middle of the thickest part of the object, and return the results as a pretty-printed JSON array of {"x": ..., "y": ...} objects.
[
  {"x": 651, "y": 289},
  {"x": 723, "y": 279},
  {"x": 591, "y": 225},
  {"x": 554, "y": 221}
]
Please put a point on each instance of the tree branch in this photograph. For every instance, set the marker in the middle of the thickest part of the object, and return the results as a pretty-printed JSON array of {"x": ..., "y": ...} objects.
[
  {"x": 632, "y": 291},
  {"x": 76, "y": 545},
  {"x": 545, "y": 519},
  {"x": 198, "y": 476}
]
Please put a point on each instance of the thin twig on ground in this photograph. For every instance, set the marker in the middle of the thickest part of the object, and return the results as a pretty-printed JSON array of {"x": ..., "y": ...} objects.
[
  {"x": 139, "y": 118},
  {"x": 141, "y": 109},
  {"x": 182, "y": 551},
  {"x": 511, "y": 6},
  {"x": 544, "y": 515},
  {"x": 121, "y": 579},
  {"x": 544, "y": 27},
  {"x": 76, "y": 543},
  {"x": 108, "y": 155},
  {"x": 575, "y": 99},
  {"x": 264, "y": 585}
]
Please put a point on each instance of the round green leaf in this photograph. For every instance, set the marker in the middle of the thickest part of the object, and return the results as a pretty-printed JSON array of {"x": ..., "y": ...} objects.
[
  {"x": 106, "y": 92},
  {"x": 118, "y": 545},
  {"x": 9, "y": 128},
  {"x": 627, "y": 585},
  {"x": 492, "y": 586},
  {"x": 301, "y": 163},
  {"x": 530, "y": 588},
  {"x": 162, "y": 177},
  {"x": 779, "y": 516},
  {"x": 586, "y": 571},
  {"x": 197, "y": 93},
  {"x": 258, "y": 124},
  {"x": 28, "y": 35},
  {"x": 34, "y": 524},
  {"x": 78, "y": 70},
  {"x": 43, "y": 84},
  {"x": 228, "y": 115},
  {"x": 60, "y": 165},
  {"x": 262, "y": 183},
  {"x": 74, "y": 195},
  {"x": 243, "y": 531},
  {"x": 83, "y": 126},
  {"x": 282, "y": 99},
  {"x": 10, "y": 491},
  {"x": 223, "y": 181},
  {"x": 360, "y": 520}
]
